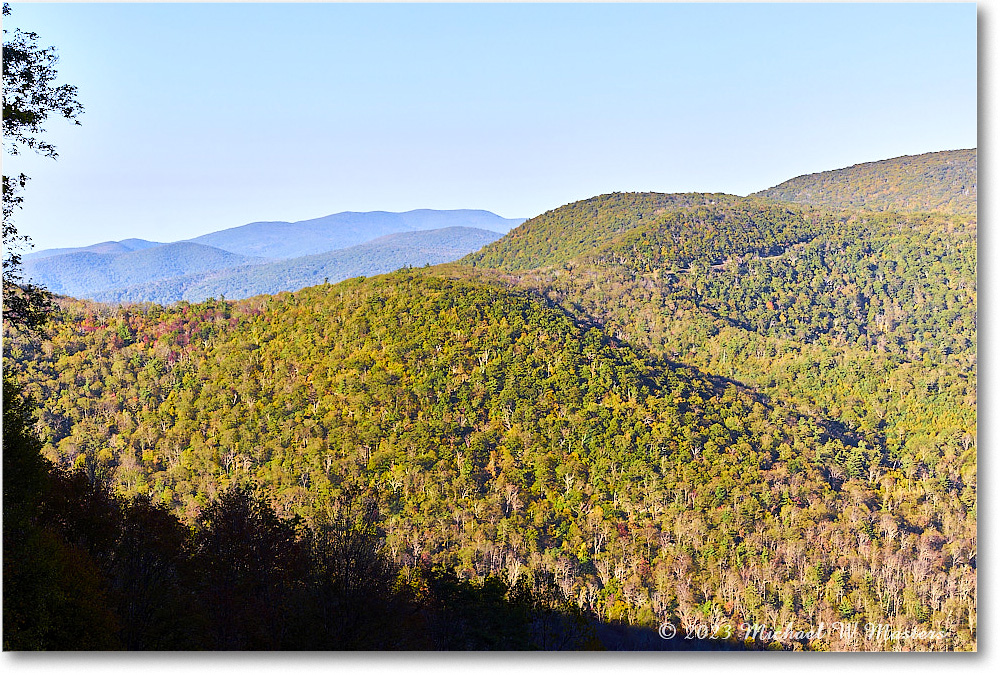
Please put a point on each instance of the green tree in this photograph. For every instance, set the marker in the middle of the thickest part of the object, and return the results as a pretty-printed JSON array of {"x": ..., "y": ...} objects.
[{"x": 30, "y": 96}]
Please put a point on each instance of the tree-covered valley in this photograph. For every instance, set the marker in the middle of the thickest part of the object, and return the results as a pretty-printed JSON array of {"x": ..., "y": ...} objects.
[{"x": 639, "y": 408}]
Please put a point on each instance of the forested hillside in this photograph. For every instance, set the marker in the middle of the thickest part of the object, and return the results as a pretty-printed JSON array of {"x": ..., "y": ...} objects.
[
  {"x": 575, "y": 229},
  {"x": 505, "y": 438},
  {"x": 871, "y": 323},
  {"x": 88, "y": 569},
  {"x": 936, "y": 181},
  {"x": 702, "y": 409}
]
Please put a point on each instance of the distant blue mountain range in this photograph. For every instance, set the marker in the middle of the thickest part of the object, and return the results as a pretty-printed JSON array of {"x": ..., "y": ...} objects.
[
  {"x": 385, "y": 254},
  {"x": 84, "y": 274},
  {"x": 308, "y": 237},
  {"x": 264, "y": 257},
  {"x": 123, "y": 246}
]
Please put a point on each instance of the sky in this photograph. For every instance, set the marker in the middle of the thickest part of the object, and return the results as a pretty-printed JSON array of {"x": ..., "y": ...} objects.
[{"x": 201, "y": 117}]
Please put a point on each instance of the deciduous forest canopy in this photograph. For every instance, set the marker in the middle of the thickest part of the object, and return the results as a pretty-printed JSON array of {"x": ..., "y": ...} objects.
[
  {"x": 633, "y": 411},
  {"x": 637, "y": 408}
]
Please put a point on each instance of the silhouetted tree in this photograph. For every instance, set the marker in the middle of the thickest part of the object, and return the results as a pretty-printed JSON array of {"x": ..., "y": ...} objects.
[
  {"x": 352, "y": 582},
  {"x": 247, "y": 564},
  {"x": 54, "y": 596},
  {"x": 30, "y": 96}
]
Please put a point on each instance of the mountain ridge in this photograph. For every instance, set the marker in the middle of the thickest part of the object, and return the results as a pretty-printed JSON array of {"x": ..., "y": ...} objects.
[
  {"x": 933, "y": 181},
  {"x": 280, "y": 239},
  {"x": 123, "y": 246},
  {"x": 939, "y": 181},
  {"x": 83, "y": 273},
  {"x": 378, "y": 256},
  {"x": 116, "y": 271}
]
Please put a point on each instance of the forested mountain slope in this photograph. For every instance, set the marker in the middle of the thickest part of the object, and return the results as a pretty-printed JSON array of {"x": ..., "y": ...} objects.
[
  {"x": 504, "y": 437},
  {"x": 863, "y": 318},
  {"x": 705, "y": 409},
  {"x": 561, "y": 234},
  {"x": 935, "y": 181},
  {"x": 872, "y": 322},
  {"x": 899, "y": 289},
  {"x": 867, "y": 318}
]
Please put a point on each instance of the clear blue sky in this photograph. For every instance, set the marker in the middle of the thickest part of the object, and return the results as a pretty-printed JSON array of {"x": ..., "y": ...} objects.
[{"x": 201, "y": 117}]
